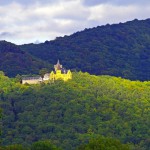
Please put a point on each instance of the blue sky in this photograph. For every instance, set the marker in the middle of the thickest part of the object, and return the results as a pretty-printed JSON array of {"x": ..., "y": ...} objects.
[{"x": 27, "y": 21}]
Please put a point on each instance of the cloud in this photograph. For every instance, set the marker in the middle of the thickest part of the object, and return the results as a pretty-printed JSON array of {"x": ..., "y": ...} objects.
[
  {"x": 116, "y": 14},
  {"x": 5, "y": 34},
  {"x": 23, "y": 21},
  {"x": 33, "y": 2},
  {"x": 43, "y": 21},
  {"x": 115, "y": 2},
  {"x": 27, "y": 2}
]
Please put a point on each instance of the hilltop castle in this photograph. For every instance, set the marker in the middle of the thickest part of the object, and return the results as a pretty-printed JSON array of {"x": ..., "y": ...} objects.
[{"x": 58, "y": 73}]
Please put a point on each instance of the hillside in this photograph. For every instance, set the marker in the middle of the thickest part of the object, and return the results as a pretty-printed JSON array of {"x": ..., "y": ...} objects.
[
  {"x": 120, "y": 50},
  {"x": 14, "y": 61},
  {"x": 70, "y": 113}
]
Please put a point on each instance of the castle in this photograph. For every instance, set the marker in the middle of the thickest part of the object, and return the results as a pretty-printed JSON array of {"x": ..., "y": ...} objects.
[{"x": 58, "y": 73}]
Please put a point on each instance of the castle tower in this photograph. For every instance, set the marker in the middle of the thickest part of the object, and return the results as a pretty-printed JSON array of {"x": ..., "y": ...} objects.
[
  {"x": 58, "y": 66},
  {"x": 52, "y": 76}
]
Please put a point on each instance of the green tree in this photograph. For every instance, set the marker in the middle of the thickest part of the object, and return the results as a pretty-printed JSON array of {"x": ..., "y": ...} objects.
[
  {"x": 43, "y": 71},
  {"x": 2, "y": 73},
  {"x": 43, "y": 145},
  {"x": 15, "y": 147},
  {"x": 18, "y": 78},
  {"x": 103, "y": 143}
]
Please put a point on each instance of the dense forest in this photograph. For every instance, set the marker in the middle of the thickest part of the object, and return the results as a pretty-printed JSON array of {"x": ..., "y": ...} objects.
[
  {"x": 72, "y": 113},
  {"x": 120, "y": 50},
  {"x": 14, "y": 61}
]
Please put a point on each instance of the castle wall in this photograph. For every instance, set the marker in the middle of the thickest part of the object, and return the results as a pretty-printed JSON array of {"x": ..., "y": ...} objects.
[
  {"x": 59, "y": 75},
  {"x": 30, "y": 81}
]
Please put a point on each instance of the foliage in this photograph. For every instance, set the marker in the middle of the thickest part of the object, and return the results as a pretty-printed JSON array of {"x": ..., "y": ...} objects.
[
  {"x": 42, "y": 72},
  {"x": 18, "y": 78},
  {"x": 104, "y": 144},
  {"x": 70, "y": 113},
  {"x": 43, "y": 145},
  {"x": 119, "y": 50},
  {"x": 15, "y": 147},
  {"x": 39, "y": 145}
]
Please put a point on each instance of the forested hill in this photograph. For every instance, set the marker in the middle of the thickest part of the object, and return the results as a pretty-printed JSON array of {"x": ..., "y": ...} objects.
[
  {"x": 15, "y": 61},
  {"x": 120, "y": 50},
  {"x": 70, "y": 113}
]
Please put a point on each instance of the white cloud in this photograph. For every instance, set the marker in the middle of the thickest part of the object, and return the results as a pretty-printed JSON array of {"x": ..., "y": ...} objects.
[
  {"x": 114, "y": 14},
  {"x": 115, "y": 2},
  {"x": 43, "y": 21},
  {"x": 47, "y": 19}
]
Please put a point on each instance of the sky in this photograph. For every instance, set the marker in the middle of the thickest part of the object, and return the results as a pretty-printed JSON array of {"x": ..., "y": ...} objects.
[{"x": 34, "y": 21}]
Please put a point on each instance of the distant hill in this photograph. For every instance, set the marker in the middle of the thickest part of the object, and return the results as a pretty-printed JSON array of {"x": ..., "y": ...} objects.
[
  {"x": 15, "y": 61},
  {"x": 120, "y": 50}
]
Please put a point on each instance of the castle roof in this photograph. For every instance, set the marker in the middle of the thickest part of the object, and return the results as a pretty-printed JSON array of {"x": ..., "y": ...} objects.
[{"x": 32, "y": 78}]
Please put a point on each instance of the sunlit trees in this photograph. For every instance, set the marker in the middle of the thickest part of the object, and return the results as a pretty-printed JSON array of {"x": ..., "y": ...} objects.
[
  {"x": 72, "y": 112},
  {"x": 43, "y": 145},
  {"x": 103, "y": 143}
]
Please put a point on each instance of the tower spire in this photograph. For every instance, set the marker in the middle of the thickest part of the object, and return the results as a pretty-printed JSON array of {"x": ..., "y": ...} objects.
[
  {"x": 58, "y": 63},
  {"x": 58, "y": 66}
]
